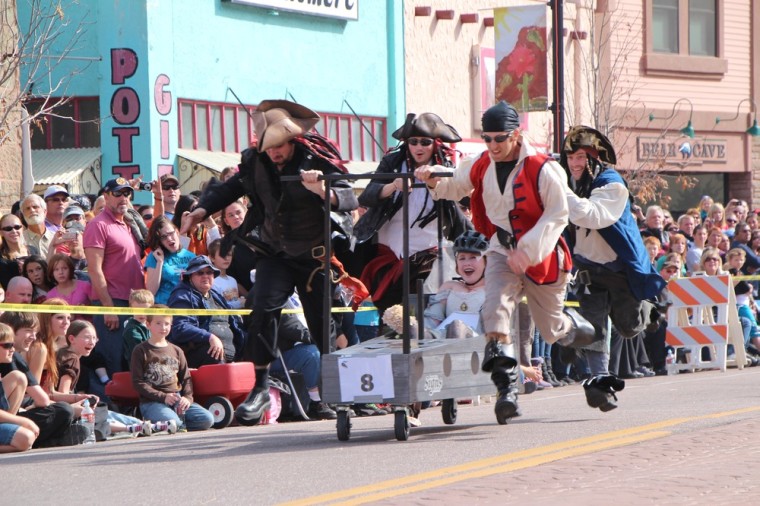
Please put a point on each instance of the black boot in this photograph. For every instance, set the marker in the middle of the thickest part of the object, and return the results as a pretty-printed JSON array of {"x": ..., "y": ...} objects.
[
  {"x": 582, "y": 334},
  {"x": 600, "y": 391},
  {"x": 505, "y": 377},
  {"x": 494, "y": 353},
  {"x": 548, "y": 374},
  {"x": 253, "y": 407}
]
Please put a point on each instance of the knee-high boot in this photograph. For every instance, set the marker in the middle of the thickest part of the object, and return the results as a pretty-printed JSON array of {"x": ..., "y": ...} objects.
[{"x": 504, "y": 374}]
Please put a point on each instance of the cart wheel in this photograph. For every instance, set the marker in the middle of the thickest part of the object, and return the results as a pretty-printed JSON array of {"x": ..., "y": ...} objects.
[
  {"x": 222, "y": 411},
  {"x": 401, "y": 425},
  {"x": 449, "y": 411},
  {"x": 344, "y": 426}
]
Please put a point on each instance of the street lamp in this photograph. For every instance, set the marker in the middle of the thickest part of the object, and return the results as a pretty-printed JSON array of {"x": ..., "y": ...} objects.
[
  {"x": 688, "y": 130},
  {"x": 754, "y": 130}
]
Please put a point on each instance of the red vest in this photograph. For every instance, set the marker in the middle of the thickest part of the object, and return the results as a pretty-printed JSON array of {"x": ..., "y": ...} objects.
[{"x": 528, "y": 209}]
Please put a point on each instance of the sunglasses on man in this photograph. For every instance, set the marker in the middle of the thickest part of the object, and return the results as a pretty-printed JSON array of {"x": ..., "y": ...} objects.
[
  {"x": 498, "y": 138},
  {"x": 421, "y": 142},
  {"x": 7, "y": 346},
  {"x": 122, "y": 193},
  {"x": 169, "y": 187}
]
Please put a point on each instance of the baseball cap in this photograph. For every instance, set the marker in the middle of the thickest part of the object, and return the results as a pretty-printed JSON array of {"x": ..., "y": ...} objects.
[
  {"x": 114, "y": 185},
  {"x": 72, "y": 211},
  {"x": 53, "y": 190},
  {"x": 198, "y": 264},
  {"x": 169, "y": 177}
]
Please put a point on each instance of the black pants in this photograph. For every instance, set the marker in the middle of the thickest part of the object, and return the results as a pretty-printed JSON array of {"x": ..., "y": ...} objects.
[
  {"x": 276, "y": 277},
  {"x": 610, "y": 295},
  {"x": 197, "y": 356},
  {"x": 52, "y": 420}
]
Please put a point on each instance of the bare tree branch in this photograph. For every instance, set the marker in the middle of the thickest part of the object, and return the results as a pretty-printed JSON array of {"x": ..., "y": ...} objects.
[{"x": 35, "y": 55}]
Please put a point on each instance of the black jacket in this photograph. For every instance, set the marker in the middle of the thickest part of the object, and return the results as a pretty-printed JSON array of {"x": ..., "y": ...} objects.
[
  {"x": 289, "y": 216},
  {"x": 380, "y": 211}
]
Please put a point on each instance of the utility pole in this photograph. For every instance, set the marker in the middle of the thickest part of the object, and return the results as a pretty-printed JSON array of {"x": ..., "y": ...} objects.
[{"x": 558, "y": 107}]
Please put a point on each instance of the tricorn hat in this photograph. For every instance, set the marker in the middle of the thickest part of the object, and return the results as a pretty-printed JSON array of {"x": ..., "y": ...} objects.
[
  {"x": 582, "y": 136},
  {"x": 426, "y": 124},
  {"x": 279, "y": 121}
]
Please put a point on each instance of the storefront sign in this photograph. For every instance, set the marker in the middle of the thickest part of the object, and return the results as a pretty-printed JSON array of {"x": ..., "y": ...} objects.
[
  {"x": 125, "y": 110},
  {"x": 341, "y": 9},
  {"x": 681, "y": 151}
]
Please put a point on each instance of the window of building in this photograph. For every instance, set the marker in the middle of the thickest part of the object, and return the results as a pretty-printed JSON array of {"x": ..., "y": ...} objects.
[
  {"x": 685, "y": 37},
  {"x": 680, "y": 199},
  {"x": 210, "y": 126},
  {"x": 74, "y": 123},
  {"x": 702, "y": 27}
]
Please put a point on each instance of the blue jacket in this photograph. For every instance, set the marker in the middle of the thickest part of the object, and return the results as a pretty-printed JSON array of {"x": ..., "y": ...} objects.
[
  {"x": 189, "y": 330},
  {"x": 624, "y": 237}
]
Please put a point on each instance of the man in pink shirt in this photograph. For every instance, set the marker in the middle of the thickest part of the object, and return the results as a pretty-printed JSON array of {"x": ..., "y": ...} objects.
[{"x": 115, "y": 268}]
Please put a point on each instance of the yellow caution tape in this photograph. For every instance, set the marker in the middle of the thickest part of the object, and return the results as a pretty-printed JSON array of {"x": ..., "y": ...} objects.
[{"x": 104, "y": 310}]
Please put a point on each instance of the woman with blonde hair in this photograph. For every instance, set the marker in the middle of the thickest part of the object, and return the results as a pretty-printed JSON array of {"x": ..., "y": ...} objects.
[
  {"x": 50, "y": 337},
  {"x": 711, "y": 263}
]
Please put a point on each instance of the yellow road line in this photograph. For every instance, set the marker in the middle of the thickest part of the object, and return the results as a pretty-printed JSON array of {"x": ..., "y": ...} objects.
[{"x": 508, "y": 462}]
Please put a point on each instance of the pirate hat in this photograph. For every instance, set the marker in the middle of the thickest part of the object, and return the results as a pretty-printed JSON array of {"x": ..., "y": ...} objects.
[
  {"x": 426, "y": 124},
  {"x": 592, "y": 141},
  {"x": 279, "y": 121}
]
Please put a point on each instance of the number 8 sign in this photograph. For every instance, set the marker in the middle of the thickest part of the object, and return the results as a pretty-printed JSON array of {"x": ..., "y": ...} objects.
[{"x": 365, "y": 377}]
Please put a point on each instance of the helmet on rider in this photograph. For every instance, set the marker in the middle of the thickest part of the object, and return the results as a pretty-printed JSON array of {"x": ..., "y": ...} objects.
[{"x": 471, "y": 242}]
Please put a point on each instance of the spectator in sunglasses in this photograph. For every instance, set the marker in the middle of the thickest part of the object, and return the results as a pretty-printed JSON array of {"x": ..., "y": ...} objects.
[
  {"x": 13, "y": 248},
  {"x": 731, "y": 221},
  {"x": 523, "y": 216},
  {"x": 114, "y": 264},
  {"x": 422, "y": 143},
  {"x": 170, "y": 194},
  {"x": 57, "y": 199}
]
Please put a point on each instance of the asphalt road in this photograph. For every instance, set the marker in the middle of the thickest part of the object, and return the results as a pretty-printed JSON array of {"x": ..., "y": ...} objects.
[{"x": 304, "y": 463}]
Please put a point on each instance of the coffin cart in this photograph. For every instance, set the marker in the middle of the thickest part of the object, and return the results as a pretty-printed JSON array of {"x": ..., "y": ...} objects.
[{"x": 402, "y": 371}]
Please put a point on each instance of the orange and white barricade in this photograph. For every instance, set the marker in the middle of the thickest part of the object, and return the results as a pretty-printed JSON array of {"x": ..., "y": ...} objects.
[{"x": 692, "y": 325}]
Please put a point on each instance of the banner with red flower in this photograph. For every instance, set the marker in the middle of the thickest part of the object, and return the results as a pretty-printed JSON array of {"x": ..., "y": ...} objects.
[{"x": 521, "y": 57}]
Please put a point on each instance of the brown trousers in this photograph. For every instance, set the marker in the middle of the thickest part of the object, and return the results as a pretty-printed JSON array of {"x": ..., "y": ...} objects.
[{"x": 504, "y": 289}]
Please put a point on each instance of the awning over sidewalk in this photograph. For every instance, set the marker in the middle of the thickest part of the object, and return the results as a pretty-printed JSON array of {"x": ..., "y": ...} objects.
[
  {"x": 77, "y": 169},
  {"x": 213, "y": 160}
]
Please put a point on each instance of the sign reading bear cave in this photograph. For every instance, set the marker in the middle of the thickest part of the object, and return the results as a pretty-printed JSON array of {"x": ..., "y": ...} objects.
[{"x": 682, "y": 151}]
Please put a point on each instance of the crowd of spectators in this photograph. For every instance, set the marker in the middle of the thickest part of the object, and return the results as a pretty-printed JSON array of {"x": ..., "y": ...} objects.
[{"x": 77, "y": 250}]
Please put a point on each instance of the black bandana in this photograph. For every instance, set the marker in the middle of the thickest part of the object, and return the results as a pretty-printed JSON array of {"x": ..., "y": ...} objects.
[{"x": 501, "y": 117}]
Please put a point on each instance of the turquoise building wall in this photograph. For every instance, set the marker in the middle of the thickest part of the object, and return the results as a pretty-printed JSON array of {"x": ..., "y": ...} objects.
[{"x": 156, "y": 52}]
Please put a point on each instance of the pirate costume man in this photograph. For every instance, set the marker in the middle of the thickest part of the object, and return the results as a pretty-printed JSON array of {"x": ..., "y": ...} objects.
[
  {"x": 615, "y": 277},
  {"x": 289, "y": 216},
  {"x": 422, "y": 143},
  {"x": 518, "y": 202}
]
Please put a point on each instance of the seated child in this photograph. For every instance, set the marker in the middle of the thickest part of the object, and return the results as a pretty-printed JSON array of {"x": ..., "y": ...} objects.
[
  {"x": 162, "y": 379},
  {"x": 81, "y": 339},
  {"x": 223, "y": 283},
  {"x": 53, "y": 418},
  {"x": 135, "y": 330},
  {"x": 17, "y": 434}
]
